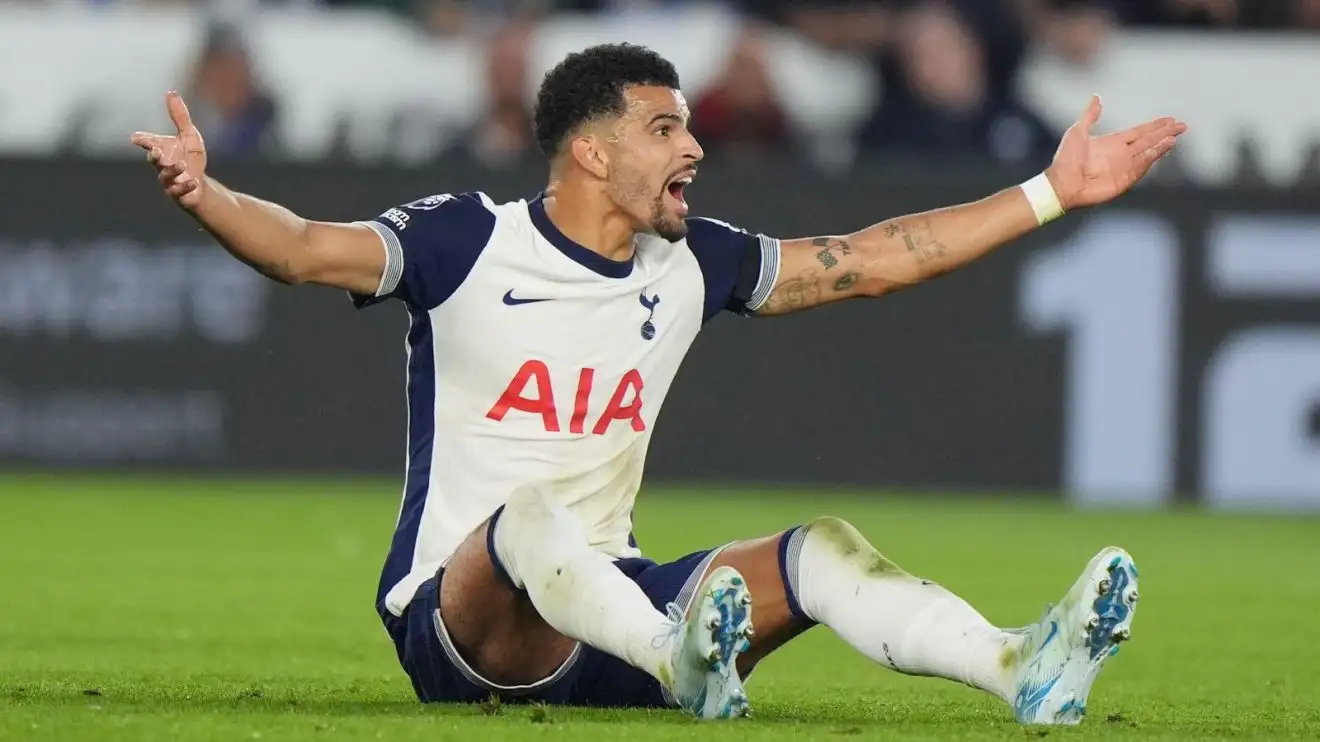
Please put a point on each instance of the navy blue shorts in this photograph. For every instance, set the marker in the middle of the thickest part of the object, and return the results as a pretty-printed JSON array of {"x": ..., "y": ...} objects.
[{"x": 588, "y": 677}]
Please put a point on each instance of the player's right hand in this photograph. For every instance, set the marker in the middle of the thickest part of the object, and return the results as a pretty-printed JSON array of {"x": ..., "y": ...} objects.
[{"x": 180, "y": 160}]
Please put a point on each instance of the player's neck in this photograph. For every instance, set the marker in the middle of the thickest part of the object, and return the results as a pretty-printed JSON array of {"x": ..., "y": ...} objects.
[{"x": 590, "y": 221}]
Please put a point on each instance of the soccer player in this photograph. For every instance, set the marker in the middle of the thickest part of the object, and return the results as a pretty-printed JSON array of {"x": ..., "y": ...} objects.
[{"x": 544, "y": 335}]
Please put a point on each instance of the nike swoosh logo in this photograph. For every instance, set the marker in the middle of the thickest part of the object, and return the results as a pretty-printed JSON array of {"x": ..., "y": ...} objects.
[
  {"x": 509, "y": 300},
  {"x": 1028, "y": 699},
  {"x": 1054, "y": 631}
]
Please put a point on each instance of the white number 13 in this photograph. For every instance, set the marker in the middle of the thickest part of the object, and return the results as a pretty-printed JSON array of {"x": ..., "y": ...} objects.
[{"x": 1114, "y": 289}]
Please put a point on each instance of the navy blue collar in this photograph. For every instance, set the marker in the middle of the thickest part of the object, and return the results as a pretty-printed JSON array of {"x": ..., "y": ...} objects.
[{"x": 584, "y": 257}]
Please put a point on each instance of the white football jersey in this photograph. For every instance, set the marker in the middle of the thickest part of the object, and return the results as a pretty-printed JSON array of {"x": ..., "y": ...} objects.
[{"x": 533, "y": 361}]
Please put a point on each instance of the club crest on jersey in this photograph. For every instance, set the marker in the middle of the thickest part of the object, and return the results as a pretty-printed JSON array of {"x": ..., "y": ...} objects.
[{"x": 648, "y": 327}]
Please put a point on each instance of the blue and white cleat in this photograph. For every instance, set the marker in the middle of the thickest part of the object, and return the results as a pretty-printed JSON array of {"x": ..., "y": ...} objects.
[
  {"x": 1064, "y": 652},
  {"x": 717, "y": 628}
]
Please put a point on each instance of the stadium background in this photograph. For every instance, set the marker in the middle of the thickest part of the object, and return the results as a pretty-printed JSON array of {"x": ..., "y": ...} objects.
[
  {"x": 200, "y": 469},
  {"x": 1166, "y": 348}
]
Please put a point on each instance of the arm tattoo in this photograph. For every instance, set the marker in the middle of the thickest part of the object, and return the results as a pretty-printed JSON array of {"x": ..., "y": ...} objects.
[
  {"x": 828, "y": 246},
  {"x": 799, "y": 292},
  {"x": 275, "y": 270},
  {"x": 280, "y": 271},
  {"x": 804, "y": 290},
  {"x": 919, "y": 238},
  {"x": 846, "y": 281}
]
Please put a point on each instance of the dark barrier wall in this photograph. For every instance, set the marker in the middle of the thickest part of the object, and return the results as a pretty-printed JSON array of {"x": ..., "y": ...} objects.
[{"x": 1165, "y": 347}]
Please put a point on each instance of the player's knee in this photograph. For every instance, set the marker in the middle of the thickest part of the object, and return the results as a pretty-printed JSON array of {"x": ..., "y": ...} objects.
[
  {"x": 837, "y": 532},
  {"x": 531, "y": 516},
  {"x": 523, "y": 500},
  {"x": 840, "y": 538},
  {"x": 525, "y": 509}
]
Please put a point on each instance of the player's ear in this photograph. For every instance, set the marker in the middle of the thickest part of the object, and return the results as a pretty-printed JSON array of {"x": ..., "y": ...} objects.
[{"x": 589, "y": 153}]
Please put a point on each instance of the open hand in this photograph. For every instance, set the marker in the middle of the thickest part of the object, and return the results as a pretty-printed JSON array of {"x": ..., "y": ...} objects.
[
  {"x": 1090, "y": 170},
  {"x": 180, "y": 160}
]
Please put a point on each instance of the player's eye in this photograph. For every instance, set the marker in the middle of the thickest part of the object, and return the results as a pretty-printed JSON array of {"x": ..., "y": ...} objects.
[{"x": 664, "y": 130}]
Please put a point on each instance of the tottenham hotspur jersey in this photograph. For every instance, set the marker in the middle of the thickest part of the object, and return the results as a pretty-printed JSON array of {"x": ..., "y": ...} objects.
[{"x": 533, "y": 361}]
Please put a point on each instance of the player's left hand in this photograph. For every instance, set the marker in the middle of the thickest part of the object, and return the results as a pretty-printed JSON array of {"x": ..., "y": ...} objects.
[{"x": 1089, "y": 170}]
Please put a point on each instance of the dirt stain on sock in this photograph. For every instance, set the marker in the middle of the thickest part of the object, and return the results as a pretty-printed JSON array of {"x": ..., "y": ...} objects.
[
  {"x": 1008, "y": 657},
  {"x": 853, "y": 547}
]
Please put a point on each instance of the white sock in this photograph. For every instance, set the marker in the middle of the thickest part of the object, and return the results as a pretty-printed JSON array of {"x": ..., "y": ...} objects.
[
  {"x": 905, "y": 623},
  {"x": 578, "y": 590}
]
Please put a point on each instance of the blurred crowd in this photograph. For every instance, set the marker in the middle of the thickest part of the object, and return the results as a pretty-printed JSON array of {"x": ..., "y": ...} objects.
[{"x": 948, "y": 68}]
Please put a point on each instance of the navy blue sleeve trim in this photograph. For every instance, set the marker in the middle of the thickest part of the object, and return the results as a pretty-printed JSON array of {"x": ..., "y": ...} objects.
[
  {"x": 739, "y": 268},
  {"x": 431, "y": 245}
]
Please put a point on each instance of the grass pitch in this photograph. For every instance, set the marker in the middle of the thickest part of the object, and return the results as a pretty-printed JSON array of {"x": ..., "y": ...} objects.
[{"x": 183, "y": 610}]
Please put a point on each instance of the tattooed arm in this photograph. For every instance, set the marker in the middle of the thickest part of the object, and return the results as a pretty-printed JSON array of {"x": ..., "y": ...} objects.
[
  {"x": 895, "y": 254},
  {"x": 1087, "y": 171}
]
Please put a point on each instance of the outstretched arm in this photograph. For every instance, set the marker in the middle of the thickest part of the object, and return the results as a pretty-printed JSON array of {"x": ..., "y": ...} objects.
[
  {"x": 268, "y": 237},
  {"x": 907, "y": 250}
]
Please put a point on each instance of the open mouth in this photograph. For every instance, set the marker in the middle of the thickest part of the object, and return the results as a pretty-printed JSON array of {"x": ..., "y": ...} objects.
[{"x": 676, "y": 187}]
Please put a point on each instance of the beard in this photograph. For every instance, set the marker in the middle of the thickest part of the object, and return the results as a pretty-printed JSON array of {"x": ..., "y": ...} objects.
[
  {"x": 664, "y": 224},
  {"x": 633, "y": 189}
]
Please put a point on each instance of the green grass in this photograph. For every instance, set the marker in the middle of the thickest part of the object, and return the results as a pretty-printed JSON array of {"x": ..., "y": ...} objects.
[{"x": 160, "y": 609}]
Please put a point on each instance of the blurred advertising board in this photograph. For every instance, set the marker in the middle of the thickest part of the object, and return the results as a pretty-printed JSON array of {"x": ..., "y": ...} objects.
[{"x": 1166, "y": 348}]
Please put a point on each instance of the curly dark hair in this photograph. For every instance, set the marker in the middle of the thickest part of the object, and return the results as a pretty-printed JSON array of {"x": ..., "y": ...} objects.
[{"x": 590, "y": 84}]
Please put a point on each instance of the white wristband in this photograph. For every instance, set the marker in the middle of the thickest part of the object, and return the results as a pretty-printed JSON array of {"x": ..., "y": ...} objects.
[{"x": 1044, "y": 201}]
